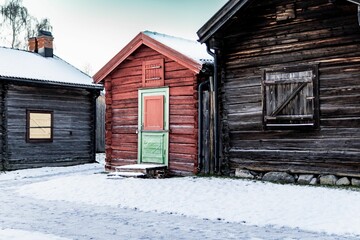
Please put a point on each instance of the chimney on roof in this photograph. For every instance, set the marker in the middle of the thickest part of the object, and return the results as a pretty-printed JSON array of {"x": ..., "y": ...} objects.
[
  {"x": 45, "y": 43},
  {"x": 42, "y": 44},
  {"x": 32, "y": 44}
]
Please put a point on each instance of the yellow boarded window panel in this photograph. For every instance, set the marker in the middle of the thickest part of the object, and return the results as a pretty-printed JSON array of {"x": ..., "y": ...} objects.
[
  {"x": 39, "y": 125},
  {"x": 40, "y": 133},
  {"x": 40, "y": 120}
]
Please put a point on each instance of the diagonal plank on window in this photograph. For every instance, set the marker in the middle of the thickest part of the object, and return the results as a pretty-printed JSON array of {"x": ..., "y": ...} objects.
[
  {"x": 288, "y": 100},
  {"x": 39, "y": 125},
  {"x": 35, "y": 123},
  {"x": 289, "y": 97}
]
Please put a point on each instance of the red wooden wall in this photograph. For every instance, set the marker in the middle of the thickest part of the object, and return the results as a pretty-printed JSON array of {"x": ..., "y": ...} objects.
[{"x": 122, "y": 112}]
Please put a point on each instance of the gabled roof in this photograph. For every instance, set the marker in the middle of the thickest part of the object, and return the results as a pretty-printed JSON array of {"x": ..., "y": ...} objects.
[
  {"x": 188, "y": 53},
  {"x": 220, "y": 18},
  {"x": 224, "y": 15},
  {"x": 24, "y": 66}
]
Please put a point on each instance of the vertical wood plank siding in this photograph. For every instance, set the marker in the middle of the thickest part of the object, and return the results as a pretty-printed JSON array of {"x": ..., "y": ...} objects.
[
  {"x": 2, "y": 126},
  {"x": 73, "y": 127},
  {"x": 122, "y": 110},
  {"x": 100, "y": 124},
  {"x": 322, "y": 33}
]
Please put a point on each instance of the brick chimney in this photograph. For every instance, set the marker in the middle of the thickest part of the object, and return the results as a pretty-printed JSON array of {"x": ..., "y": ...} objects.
[
  {"x": 32, "y": 44},
  {"x": 45, "y": 43},
  {"x": 42, "y": 44}
]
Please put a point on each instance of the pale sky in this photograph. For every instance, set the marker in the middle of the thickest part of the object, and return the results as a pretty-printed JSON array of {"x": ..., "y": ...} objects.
[{"x": 91, "y": 32}]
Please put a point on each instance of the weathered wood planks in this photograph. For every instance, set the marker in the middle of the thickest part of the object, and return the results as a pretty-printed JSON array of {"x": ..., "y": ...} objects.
[
  {"x": 74, "y": 121},
  {"x": 322, "y": 33}
]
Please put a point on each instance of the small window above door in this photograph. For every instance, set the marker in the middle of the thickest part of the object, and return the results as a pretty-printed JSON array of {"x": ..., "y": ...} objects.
[{"x": 153, "y": 73}]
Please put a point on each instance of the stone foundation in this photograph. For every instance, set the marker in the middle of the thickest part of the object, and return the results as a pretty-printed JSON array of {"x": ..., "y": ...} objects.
[{"x": 305, "y": 179}]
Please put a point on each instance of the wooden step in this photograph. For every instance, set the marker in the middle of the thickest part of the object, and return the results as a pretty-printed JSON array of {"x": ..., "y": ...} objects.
[
  {"x": 115, "y": 175},
  {"x": 142, "y": 170}
]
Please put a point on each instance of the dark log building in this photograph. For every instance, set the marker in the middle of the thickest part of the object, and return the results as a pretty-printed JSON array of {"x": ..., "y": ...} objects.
[
  {"x": 47, "y": 109},
  {"x": 289, "y": 85}
]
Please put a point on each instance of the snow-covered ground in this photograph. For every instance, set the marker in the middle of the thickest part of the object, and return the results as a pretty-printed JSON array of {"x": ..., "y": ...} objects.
[
  {"x": 7, "y": 234},
  {"x": 250, "y": 203}
]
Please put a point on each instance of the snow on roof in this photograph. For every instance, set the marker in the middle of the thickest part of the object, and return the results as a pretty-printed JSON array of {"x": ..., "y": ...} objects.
[
  {"x": 189, "y": 48},
  {"x": 20, "y": 64}
]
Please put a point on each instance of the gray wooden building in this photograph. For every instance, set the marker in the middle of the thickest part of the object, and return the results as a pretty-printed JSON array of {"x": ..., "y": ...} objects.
[
  {"x": 287, "y": 81},
  {"x": 47, "y": 109}
]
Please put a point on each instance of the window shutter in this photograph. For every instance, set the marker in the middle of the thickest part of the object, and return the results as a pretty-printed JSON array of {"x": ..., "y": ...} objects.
[
  {"x": 153, "y": 73},
  {"x": 290, "y": 98}
]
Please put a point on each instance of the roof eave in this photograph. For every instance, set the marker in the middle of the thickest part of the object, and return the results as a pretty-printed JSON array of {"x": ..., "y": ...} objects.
[
  {"x": 182, "y": 59},
  {"x": 134, "y": 44},
  {"x": 223, "y": 15},
  {"x": 219, "y": 19},
  {"x": 52, "y": 83},
  {"x": 118, "y": 58}
]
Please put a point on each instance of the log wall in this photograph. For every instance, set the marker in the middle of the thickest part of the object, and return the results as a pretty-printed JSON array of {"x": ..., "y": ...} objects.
[
  {"x": 2, "y": 128},
  {"x": 122, "y": 112},
  {"x": 100, "y": 124},
  {"x": 321, "y": 33},
  {"x": 73, "y": 134}
]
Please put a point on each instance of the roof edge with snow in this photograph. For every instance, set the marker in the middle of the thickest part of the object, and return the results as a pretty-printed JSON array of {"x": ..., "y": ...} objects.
[
  {"x": 147, "y": 38},
  {"x": 52, "y": 83},
  {"x": 28, "y": 67}
]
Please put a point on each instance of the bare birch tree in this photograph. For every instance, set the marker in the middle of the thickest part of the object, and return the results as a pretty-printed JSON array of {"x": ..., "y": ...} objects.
[{"x": 16, "y": 18}]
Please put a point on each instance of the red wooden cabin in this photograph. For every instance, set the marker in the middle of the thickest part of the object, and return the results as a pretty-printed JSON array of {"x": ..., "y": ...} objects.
[{"x": 151, "y": 102}]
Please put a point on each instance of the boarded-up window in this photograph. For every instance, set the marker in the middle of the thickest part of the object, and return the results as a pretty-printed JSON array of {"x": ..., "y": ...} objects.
[
  {"x": 153, "y": 73},
  {"x": 39, "y": 126},
  {"x": 290, "y": 98}
]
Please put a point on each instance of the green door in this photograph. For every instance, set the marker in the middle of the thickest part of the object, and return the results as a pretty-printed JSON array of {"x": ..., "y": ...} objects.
[{"x": 153, "y": 126}]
